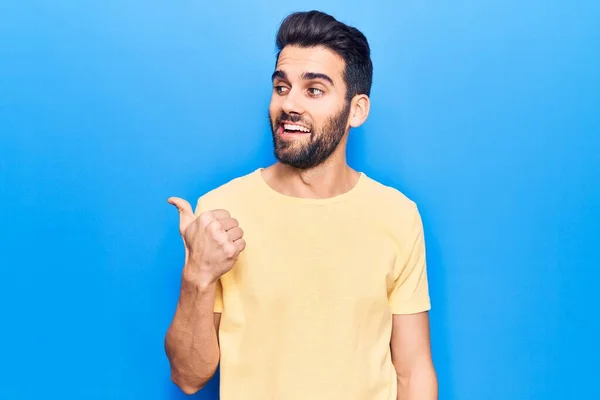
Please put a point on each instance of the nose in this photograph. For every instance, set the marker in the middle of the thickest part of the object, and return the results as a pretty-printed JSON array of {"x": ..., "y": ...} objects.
[{"x": 292, "y": 103}]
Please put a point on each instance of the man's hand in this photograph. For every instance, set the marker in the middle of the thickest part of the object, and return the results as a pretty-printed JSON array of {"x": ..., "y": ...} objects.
[{"x": 213, "y": 242}]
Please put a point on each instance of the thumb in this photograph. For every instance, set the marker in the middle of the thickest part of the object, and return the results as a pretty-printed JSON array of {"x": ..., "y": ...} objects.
[{"x": 186, "y": 215}]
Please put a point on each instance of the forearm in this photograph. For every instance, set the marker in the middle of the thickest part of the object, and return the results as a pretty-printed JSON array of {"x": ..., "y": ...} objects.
[
  {"x": 419, "y": 384},
  {"x": 191, "y": 341}
]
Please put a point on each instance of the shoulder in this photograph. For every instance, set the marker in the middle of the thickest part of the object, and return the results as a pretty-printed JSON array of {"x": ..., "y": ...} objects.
[
  {"x": 394, "y": 211},
  {"x": 228, "y": 194},
  {"x": 390, "y": 200}
]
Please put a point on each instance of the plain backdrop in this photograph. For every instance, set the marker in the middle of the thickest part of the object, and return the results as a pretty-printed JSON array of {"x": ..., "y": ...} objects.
[{"x": 486, "y": 113}]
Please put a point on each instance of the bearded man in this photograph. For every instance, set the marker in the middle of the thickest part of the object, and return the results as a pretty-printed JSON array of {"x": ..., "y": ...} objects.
[{"x": 306, "y": 279}]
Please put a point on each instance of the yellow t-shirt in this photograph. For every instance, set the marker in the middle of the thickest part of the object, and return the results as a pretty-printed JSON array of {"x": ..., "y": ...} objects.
[{"x": 307, "y": 308}]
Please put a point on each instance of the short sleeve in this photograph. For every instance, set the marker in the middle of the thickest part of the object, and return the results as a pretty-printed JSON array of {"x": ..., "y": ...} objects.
[
  {"x": 218, "y": 307},
  {"x": 410, "y": 291}
]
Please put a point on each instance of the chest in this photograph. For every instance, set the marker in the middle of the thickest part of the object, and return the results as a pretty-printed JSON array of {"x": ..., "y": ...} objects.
[{"x": 295, "y": 262}]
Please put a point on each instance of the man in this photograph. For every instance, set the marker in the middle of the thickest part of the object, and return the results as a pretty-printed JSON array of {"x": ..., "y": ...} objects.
[{"x": 306, "y": 280}]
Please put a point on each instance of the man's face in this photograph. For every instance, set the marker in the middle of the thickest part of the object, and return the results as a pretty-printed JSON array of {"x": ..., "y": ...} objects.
[{"x": 308, "y": 111}]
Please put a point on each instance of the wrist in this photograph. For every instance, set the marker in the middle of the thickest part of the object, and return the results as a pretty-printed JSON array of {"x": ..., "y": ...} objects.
[{"x": 193, "y": 275}]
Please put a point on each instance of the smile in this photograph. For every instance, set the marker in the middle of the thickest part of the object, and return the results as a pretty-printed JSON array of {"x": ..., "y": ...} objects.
[{"x": 287, "y": 129}]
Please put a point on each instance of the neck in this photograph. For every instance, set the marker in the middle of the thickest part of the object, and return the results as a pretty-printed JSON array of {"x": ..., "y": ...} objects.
[{"x": 332, "y": 178}]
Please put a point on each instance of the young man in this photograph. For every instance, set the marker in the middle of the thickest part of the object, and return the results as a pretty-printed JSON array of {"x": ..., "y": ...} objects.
[{"x": 306, "y": 280}]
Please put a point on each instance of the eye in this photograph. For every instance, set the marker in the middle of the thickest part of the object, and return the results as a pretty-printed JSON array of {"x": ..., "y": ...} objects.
[
  {"x": 280, "y": 89},
  {"x": 315, "y": 92}
]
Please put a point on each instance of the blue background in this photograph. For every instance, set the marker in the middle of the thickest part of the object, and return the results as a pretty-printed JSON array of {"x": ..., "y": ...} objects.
[{"x": 485, "y": 113}]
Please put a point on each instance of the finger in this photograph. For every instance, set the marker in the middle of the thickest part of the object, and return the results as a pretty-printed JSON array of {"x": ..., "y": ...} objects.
[
  {"x": 182, "y": 205},
  {"x": 229, "y": 223},
  {"x": 240, "y": 244},
  {"x": 220, "y": 214},
  {"x": 186, "y": 215},
  {"x": 217, "y": 232},
  {"x": 235, "y": 233},
  {"x": 205, "y": 219}
]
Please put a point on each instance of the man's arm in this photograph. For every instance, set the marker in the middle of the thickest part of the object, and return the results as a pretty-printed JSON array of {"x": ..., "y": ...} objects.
[
  {"x": 411, "y": 355},
  {"x": 213, "y": 241},
  {"x": 191, "y": 342}
]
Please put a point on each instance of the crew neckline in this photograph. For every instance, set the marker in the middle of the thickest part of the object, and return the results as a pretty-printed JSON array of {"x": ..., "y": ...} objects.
[{"x": 310, "y": 201}]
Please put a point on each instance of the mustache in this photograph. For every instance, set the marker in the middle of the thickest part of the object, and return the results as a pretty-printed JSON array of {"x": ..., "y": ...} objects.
[{"x": 294, "y": 118}]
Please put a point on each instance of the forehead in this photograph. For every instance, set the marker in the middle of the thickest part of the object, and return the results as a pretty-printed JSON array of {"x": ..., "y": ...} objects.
[{"x": 294, "y": 60}]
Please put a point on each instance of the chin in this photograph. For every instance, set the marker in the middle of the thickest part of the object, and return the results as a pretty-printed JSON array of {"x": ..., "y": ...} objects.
[{"x": 288, "y": 159}]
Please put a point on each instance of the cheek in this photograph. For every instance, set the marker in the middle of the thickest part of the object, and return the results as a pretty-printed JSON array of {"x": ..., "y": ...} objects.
[
  {"x": 323, "y": 115},
  {"x": 274, "y": 108},
  {"x": 320, "y": 118}
]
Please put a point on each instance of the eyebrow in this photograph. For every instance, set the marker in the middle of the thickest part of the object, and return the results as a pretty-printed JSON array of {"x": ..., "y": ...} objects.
[{"x": 308, "y": 76}]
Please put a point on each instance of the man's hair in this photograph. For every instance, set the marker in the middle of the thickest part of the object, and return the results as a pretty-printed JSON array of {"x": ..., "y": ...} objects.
[{"x": 315, "y": 28}]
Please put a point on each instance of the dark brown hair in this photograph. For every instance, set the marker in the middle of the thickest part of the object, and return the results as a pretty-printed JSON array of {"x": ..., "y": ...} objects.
[{"x": 315, "y": 28}]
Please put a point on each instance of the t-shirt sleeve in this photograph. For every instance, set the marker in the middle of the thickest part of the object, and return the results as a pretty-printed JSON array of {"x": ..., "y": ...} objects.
[
  {"x": 218, "y": 307},
  {"x": 410, "y": 291}
]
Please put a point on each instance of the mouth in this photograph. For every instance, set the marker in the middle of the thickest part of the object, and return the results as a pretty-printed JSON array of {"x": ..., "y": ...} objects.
[{"x": 290, "y": 129}]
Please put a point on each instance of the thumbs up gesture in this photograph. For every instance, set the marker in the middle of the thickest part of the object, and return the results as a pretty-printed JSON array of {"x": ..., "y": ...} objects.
[{"x": 213, "y": 242}]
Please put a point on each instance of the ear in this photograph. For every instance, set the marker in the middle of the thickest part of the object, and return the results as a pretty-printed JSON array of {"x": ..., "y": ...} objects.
[{"x": 359, "y": 110}]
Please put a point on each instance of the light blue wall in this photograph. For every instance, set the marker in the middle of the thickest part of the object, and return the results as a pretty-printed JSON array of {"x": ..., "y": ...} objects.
[{"x": 485, "y": 113}]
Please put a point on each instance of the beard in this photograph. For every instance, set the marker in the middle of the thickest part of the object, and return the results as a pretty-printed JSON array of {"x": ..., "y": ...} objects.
[{"x": 306, "y": 154}]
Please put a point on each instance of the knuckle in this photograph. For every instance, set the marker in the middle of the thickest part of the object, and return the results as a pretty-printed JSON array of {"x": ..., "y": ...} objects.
[
  {"x": 229, "y": 250},
  {"x": 205, "y": 219},
  {"x": 221, "y": 212},
  {"x": 214, "y": 227}
]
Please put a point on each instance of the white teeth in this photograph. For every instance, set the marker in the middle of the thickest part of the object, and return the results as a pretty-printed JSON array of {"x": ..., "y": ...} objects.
[{"x": 290, "y": 127}]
